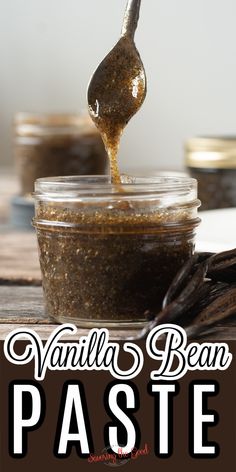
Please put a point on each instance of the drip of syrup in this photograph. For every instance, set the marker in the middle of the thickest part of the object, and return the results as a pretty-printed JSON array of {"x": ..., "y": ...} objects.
[{"x": 118, "y": 88}]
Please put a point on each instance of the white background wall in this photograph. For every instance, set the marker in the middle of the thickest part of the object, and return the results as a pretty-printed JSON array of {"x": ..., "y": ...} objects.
[{"x": 49, "y": 49}]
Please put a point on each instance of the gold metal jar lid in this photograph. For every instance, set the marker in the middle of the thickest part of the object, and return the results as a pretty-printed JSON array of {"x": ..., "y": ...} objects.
[
  {"x": 216, "y": 152},
  {"x": 52, "y": 124}
]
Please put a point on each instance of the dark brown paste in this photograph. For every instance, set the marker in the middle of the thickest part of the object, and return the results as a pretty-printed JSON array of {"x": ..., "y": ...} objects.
[
  {"x": 108, "y": 267},
  {"x": 116, "y": 92}
]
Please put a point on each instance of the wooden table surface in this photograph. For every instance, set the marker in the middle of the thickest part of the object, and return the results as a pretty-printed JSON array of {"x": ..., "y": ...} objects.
[
  {"x": 21, "y": 295},
  {"x": 8, "y": 187}
]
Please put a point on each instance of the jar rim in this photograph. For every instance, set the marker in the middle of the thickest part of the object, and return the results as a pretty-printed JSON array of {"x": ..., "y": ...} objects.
[
  {"x": 211, "y": 152},
  {"x": 28, "y": 124},
  {"x": 131, "y": 187}
]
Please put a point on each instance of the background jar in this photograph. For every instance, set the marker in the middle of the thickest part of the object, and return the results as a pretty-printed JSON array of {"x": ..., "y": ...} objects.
[
  {"x": 47, "y": 145},
  {"x": 108, "y": 253},
  {"x": 212, "y": 161}
]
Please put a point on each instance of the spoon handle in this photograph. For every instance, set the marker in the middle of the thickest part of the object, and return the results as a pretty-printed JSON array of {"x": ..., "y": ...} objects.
[{"x": 131, "y": 18}]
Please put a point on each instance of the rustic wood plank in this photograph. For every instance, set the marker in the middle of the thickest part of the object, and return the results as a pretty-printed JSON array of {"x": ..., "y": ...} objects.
[
  {"x": 23, "y": 306},
  {"x": 218, "y": 334},
  {"x": 19, "y": 256},
  {"x": 44, "y": 332}
]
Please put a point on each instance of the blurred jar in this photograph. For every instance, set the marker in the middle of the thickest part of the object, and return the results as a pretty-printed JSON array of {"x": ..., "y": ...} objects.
[
  {"x": 46, "y": 145},
  {"x": 212, "y": 161}
]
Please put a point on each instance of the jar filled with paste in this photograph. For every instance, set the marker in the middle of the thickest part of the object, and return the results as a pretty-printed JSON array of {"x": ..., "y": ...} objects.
[
  {"x": 109, "y": 252},
  {"x": 212, "y": 161},
  {"x": 47, "y": 145}
]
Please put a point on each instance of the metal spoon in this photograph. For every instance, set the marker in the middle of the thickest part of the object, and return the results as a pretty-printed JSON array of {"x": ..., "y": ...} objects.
[
  {"x": 131, "y": 18},
  {"x": 118, "y": 87}
]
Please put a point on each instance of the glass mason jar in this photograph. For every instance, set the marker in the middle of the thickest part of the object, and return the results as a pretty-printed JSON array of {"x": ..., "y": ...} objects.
[
  {"x": 47, "y": 145},
  {"x": 108, "y": 253},
  {"x": 212, "y": 161}
]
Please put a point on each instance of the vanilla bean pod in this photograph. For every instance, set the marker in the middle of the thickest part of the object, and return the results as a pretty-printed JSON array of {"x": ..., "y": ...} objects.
[
  {"x": 227, "y": 275},
  {"x": 223, "y": 260},
  {"x": 184, "y": 302},
  {"x": 179, "y": 281},
  {"x": 222, "y": 267},
  {"x": 183, "y": 276},
  {"x": 221, "y": 308},
  {"x": 202, "y": 294},
  {"x": 215, "y": 289}
]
